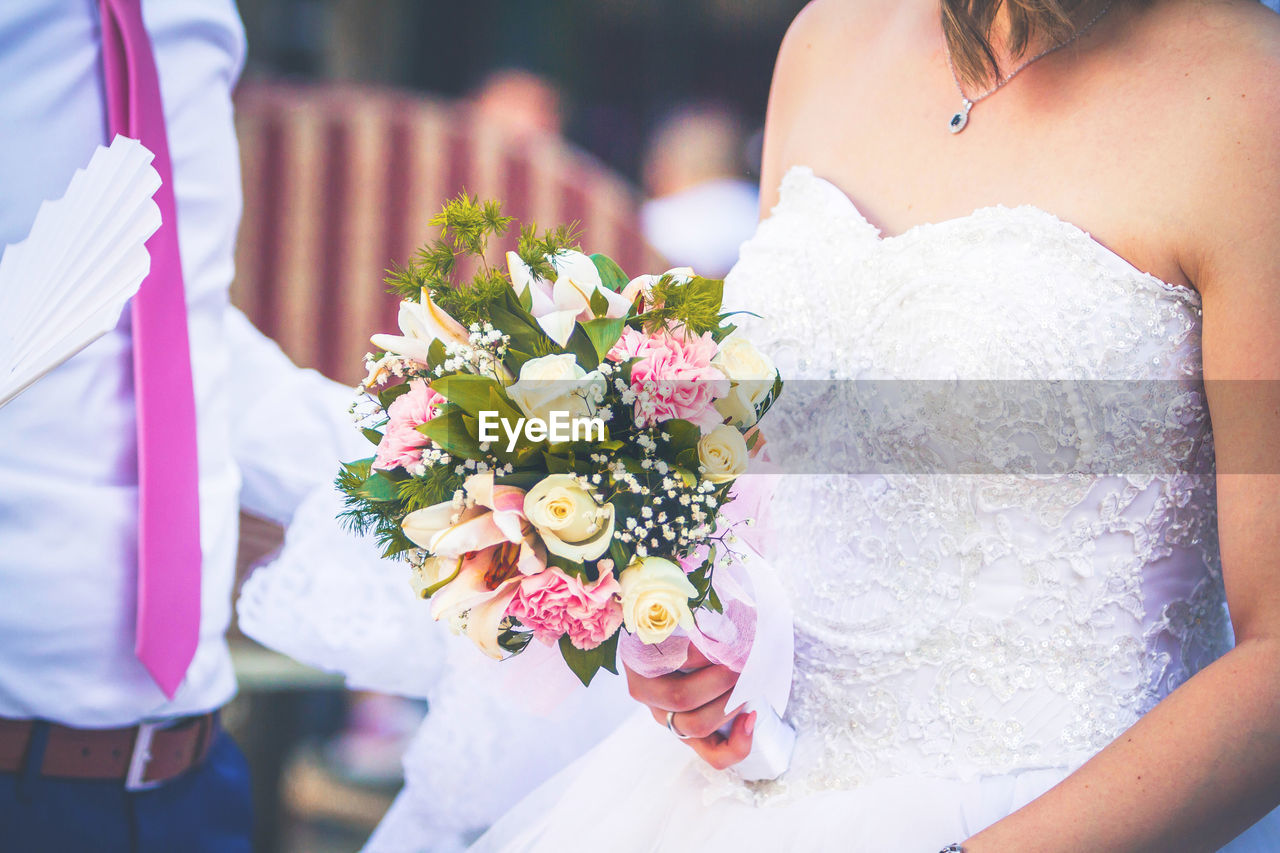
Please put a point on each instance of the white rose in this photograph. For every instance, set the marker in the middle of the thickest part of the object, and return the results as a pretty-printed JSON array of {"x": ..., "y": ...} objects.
[
  {"x": 655, "y": 599},
  {"x": 572, "y": 525},
  {"x": 723, "y": 453},
  {"x": 555, "y": 383},
  {"x": 752, "y": 374}
]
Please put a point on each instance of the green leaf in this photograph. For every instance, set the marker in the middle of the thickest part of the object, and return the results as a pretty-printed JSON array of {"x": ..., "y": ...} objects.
[
  {"x": 774, "y": 393},
  {"x": 599, "y": 305},
  {"x": 713, "y": 602},
  {"x": 608, "y": 652},
  {"x": 500, "y": 403},
  {"x": 620, "y": 554},
  {"x": 449, "y": 430},
  {"x": 516, "y": 321},
  {"x": 380, "y": 487},
  {"x": 373, "y": 435},
  {"x": 514, "y": 642},
  {"x": 684, "y": 435},
  {"x": 526, "y": 299},
  {"x": 583, "y": 349},
  {"x": 603, "y": 334},
  {"x": 435, "y": 354},
  {"x": 516, "y": 359},
  {"x": 611, "y": 275},
  {"x": 585, "y": 664},
  {"x": 508, "y": 419},
  {"x": 387, "y": 396},
  {"x": 521, "y": 479},
  {"x": 360, "y": 468},
  {"x": 473, "y": 394},
  {"x": 569, "y": 567},
  {"x": 708, "y": 289},
  {"x": 558, "y": 464},
  {"x": 511, "y": 305},
  {"x": 396, "y": 544},
  {"x": 723, "y": 332}
]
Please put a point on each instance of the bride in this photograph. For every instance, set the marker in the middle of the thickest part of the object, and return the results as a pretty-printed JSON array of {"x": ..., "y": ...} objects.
[{"x": 988, "y": 660}]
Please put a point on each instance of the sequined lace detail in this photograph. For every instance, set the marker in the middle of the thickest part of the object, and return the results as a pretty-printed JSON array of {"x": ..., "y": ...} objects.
[{"x": 965, "y": 624}]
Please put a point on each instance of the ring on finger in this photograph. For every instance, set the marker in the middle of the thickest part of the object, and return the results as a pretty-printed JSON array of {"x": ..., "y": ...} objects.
[{"x": 671, "y": 726}]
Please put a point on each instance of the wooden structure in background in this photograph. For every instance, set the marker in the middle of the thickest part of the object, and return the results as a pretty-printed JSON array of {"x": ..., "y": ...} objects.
[{"x": 341, "y": 181}]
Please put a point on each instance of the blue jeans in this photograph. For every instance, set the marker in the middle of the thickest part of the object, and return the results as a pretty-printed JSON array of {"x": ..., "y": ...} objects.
[{"x": 206, "y": 810}]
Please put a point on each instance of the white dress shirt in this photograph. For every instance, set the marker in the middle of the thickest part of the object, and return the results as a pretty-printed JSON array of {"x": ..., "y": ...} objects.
[{"x": 68, "y": 455}]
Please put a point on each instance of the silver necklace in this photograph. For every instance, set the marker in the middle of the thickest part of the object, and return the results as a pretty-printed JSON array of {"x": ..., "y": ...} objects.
[{"x": 961, "y": 119}]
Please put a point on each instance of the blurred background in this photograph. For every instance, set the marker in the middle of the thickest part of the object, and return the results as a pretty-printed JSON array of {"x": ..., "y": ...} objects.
[{"x": 640, "y": 119}]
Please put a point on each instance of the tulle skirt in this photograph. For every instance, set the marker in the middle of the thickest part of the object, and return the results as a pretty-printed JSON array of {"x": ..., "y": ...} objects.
[{"x": 642, "y": 790}]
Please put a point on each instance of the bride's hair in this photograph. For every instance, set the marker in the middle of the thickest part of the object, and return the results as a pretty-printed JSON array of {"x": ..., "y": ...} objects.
[{"x": 968, "y": 25}]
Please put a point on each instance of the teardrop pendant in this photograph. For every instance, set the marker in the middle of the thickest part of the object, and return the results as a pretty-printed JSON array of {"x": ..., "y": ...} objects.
[{"x": 960, "y": 119}]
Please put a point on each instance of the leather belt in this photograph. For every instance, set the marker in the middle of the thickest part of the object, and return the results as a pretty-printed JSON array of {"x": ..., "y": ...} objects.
[{"x": 140, "y": 757}]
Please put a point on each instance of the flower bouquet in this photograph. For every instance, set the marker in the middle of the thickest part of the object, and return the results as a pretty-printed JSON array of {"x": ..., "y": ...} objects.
[{"x": 557, "y": 447}]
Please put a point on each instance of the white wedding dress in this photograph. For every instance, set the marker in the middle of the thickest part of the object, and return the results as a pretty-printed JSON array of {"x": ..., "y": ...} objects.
[{"x": 968, "y": 631}]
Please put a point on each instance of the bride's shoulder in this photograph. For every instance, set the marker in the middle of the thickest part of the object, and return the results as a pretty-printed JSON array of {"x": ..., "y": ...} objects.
[
  {"x": 825, "y": 35},
  {"x": 1221, "y": 72},
  {"x": 825, "y": 26},
  {"x": 1221, "y": 42}
]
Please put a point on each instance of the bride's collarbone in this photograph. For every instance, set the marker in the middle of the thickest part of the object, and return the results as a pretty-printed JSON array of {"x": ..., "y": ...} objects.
[
  {"x": 1124, "y": 200},
  {"x": 1118, "y": 139},
  {"x": 1097, "y": 166}
]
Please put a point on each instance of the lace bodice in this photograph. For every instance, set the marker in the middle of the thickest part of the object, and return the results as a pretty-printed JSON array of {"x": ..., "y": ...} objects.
[{"x": 982, "y": 582}]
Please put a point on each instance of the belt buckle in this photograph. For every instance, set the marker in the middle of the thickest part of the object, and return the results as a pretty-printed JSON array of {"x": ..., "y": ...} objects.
[{"x": 136, "y": 778}]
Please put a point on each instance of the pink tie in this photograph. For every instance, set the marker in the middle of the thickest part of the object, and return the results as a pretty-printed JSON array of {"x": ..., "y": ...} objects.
[{"x": 168, "y": 624}]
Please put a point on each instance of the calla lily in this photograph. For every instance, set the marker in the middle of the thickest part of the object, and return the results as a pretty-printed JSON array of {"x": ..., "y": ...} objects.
[
  {"x": 642, "y": 285},
  {"x": 522, "y": 279},
  {"x": 380, "y": 374},
  {"x": 477, "y": 557},
  {"x": 421, "y": 323},
  {"x": 429, "y": 574},
  {"x": 559, "y": 305},
  {"x": 577, "y": 280},
  {"x": 557, "y": 323}
]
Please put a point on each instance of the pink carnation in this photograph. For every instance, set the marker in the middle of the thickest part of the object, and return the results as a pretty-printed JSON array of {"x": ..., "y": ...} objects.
[
  {"x": 631, "y": 344},
  {"x": 675, "y": 372},
  {"x": 402, "y": 444},
  {"x": 552, "y": 604}
]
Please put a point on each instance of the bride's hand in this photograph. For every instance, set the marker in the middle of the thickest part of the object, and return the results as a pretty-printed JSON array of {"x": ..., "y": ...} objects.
[{"x": 698, "y": 695}]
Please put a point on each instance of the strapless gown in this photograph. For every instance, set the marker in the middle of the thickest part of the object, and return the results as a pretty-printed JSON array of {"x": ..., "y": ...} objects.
[{"x": 976, "y": 612}]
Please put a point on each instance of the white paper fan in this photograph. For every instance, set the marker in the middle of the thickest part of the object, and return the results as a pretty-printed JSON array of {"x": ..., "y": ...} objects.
[{"x": 65, "y": 286}]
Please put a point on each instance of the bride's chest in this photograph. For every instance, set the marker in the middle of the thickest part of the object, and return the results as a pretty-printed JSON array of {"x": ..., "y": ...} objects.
[
  {"x": 1004, "y": 293},
  {"x": 1003, "y": 342}
]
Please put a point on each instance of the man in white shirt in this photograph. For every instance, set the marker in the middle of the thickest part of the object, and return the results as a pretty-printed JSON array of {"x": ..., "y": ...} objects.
[{"x": 74, "y": 766}]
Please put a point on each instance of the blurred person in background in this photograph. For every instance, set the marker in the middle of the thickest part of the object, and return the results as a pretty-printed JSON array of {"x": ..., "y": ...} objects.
[
  {"x": 522, "y": 103},
  {"x": 700, "y": 208}
]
